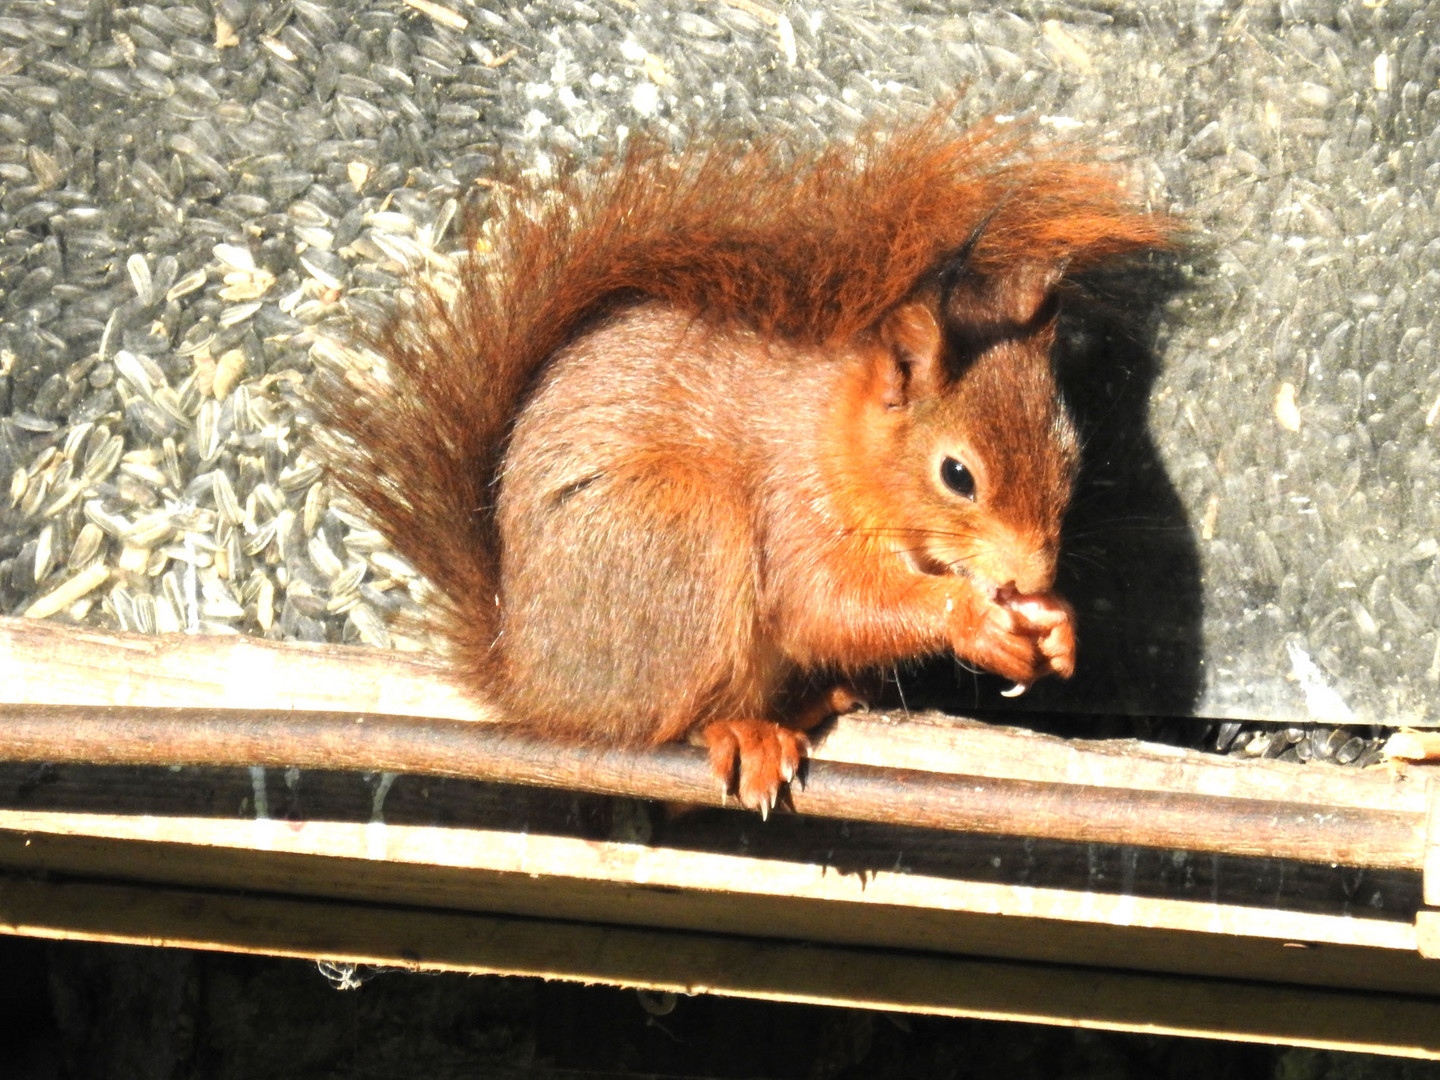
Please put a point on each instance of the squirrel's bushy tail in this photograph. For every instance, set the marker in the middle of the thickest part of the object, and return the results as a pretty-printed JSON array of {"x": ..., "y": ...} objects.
[{"x": 814, "y": 247}]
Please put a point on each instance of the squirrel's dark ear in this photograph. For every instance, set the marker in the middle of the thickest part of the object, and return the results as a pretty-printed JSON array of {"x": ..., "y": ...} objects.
[
  {"x": 1004, "y": 303},
  {"x": 1025, "y": 293},
  {"x": 913, "y": 358}
]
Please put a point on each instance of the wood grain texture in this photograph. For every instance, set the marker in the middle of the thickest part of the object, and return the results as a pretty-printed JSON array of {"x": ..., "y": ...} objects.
[
  {"x": 1427, "y": 933},
  {"x": 51, "y": 663},
  {"x": 924, "y": 778},
  {"x": 956, "y": 743},
  {"x": 1310, "y": 831},
  {"x": 244, "y": 700},
  {"x": 857, "y": 852},
  {"x": 696, "y": 963},
  {"x": 1431, "y": 865},
  {"x": 1413, "y": 746},
  {"x": 638, "y": 885}
]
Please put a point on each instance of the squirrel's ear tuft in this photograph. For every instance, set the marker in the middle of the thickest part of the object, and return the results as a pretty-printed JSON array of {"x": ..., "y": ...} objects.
[
  {"x": 913, "y": 354},
  {"x": 1023, "y": 296},
  {"x": 1004, "y": 304}
]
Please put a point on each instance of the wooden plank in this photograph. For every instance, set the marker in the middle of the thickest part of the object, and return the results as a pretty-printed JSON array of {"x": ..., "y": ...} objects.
[
  {"x": 48, "y": 663},
  {"x": 1411, "y": 745},
  {"x": 961, "y": 744},
  {"x": 697, "y": 963},
  {"x": 52, "y": 663},
  {"x": 1431, "y": 868},
  {"x": 853, "y": 850},
  {"x": 568, "y": 859},
  {"x": 1427, "y": 934},
  {"x": 629, "y": 884}
]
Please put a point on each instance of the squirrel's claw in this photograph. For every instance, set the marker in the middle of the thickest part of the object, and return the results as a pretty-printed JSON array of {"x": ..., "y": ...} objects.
[{"x": 754, "y": 759}]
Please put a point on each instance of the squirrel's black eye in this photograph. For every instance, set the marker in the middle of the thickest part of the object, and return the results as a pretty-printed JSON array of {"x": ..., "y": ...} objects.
[{"x": 958, "y": 478}]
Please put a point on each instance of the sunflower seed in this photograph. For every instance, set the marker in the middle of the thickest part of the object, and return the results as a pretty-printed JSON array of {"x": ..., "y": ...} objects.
[
  {"x": 236, "y": 257},
  {"x": 322, "y": 270},
  {"x": 148, "y": 530},
  {"x": 188, "y": 284},
  {"x": 167, "y": 618},
  {"x": 317, "y": 500},
  {"x": 109, "y": 524},
  {"x": 30, "y": 422},
  {"x": 74, "y": 437},
  {"x": 168, "y": 402},
  {"x": 44, "y": 553},
  {"x": 207, "y": 431},
  {"x": 86, "y": 546},
  {"x": 302, "y": 474},
  {"x": 238, "y": 314},
  {"x": 140, "y": 279},
  {"x": 34, "y": 495},
  {"x": 122, "y": 606},
  {"x": 392, "y": 565},
  {"x": 71, "y": 590},
  {"x": 285, "y": 542},
  {"x": 102, "y": 459},
  {"x": 144, "y": 613},
  {"x": 260, "y": 539},
  {"x": 64, "y": 494},
  {"x": 348, "y": 580},
  {"x": 365, "y": 541},
  {"x": 323, "y": 559},
  {"x": 134, "y": 373},
  {"x": 226, "y": 505},
  {"x": 246, "y": 285}
]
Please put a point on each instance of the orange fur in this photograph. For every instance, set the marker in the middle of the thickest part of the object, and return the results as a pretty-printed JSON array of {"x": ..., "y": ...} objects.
[{"x": 784, "y": 267}]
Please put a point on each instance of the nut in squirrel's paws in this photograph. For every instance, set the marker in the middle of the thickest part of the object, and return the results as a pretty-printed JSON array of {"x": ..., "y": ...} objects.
[{"x": 754, "y": 759}]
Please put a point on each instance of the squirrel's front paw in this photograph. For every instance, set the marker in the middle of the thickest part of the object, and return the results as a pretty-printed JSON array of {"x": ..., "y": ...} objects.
[
  {"x": 754, "y": 759},
  {"x": 1022, "y": 637},
  {"x": 1052, "y": 622}
]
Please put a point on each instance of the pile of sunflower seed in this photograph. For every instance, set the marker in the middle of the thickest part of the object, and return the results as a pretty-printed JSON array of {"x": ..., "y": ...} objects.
[{"x": 200, "y": 200}]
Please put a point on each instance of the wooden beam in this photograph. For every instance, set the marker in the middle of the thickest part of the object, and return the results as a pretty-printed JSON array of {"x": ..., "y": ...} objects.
[
  {"x": 531, "y": 874},
  {"x": 691, "y": 963},
  {"x": 1305, "y": 831},
  {"x": 55, "y": 664},
  {"x": 1413, "y": 745},
  {"x": 988, "y": 748},
  {"x": 989, "y": 778}
]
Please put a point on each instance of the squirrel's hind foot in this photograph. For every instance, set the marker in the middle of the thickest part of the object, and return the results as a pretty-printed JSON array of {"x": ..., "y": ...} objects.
[{"x": 754, "y": 759}]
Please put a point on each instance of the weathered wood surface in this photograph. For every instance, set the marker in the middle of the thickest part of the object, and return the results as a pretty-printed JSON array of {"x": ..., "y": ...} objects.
[
  {"x": 699, "y": 963},
  {"x": 53, "y": 664},
  {"x": 1313, "y": 830},
  {"x": 726, "y": 893},
  {"x": 901, "y": 881},
  {"x": 964, "y": 777},
  {"x": 75, "y": 797},
  {"x": 1413, "y": 746},
  {"x": 56, "y": 664}
]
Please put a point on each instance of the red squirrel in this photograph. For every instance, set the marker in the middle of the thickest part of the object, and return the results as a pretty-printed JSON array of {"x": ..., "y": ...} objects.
[{"x": 704, "y": 435}]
